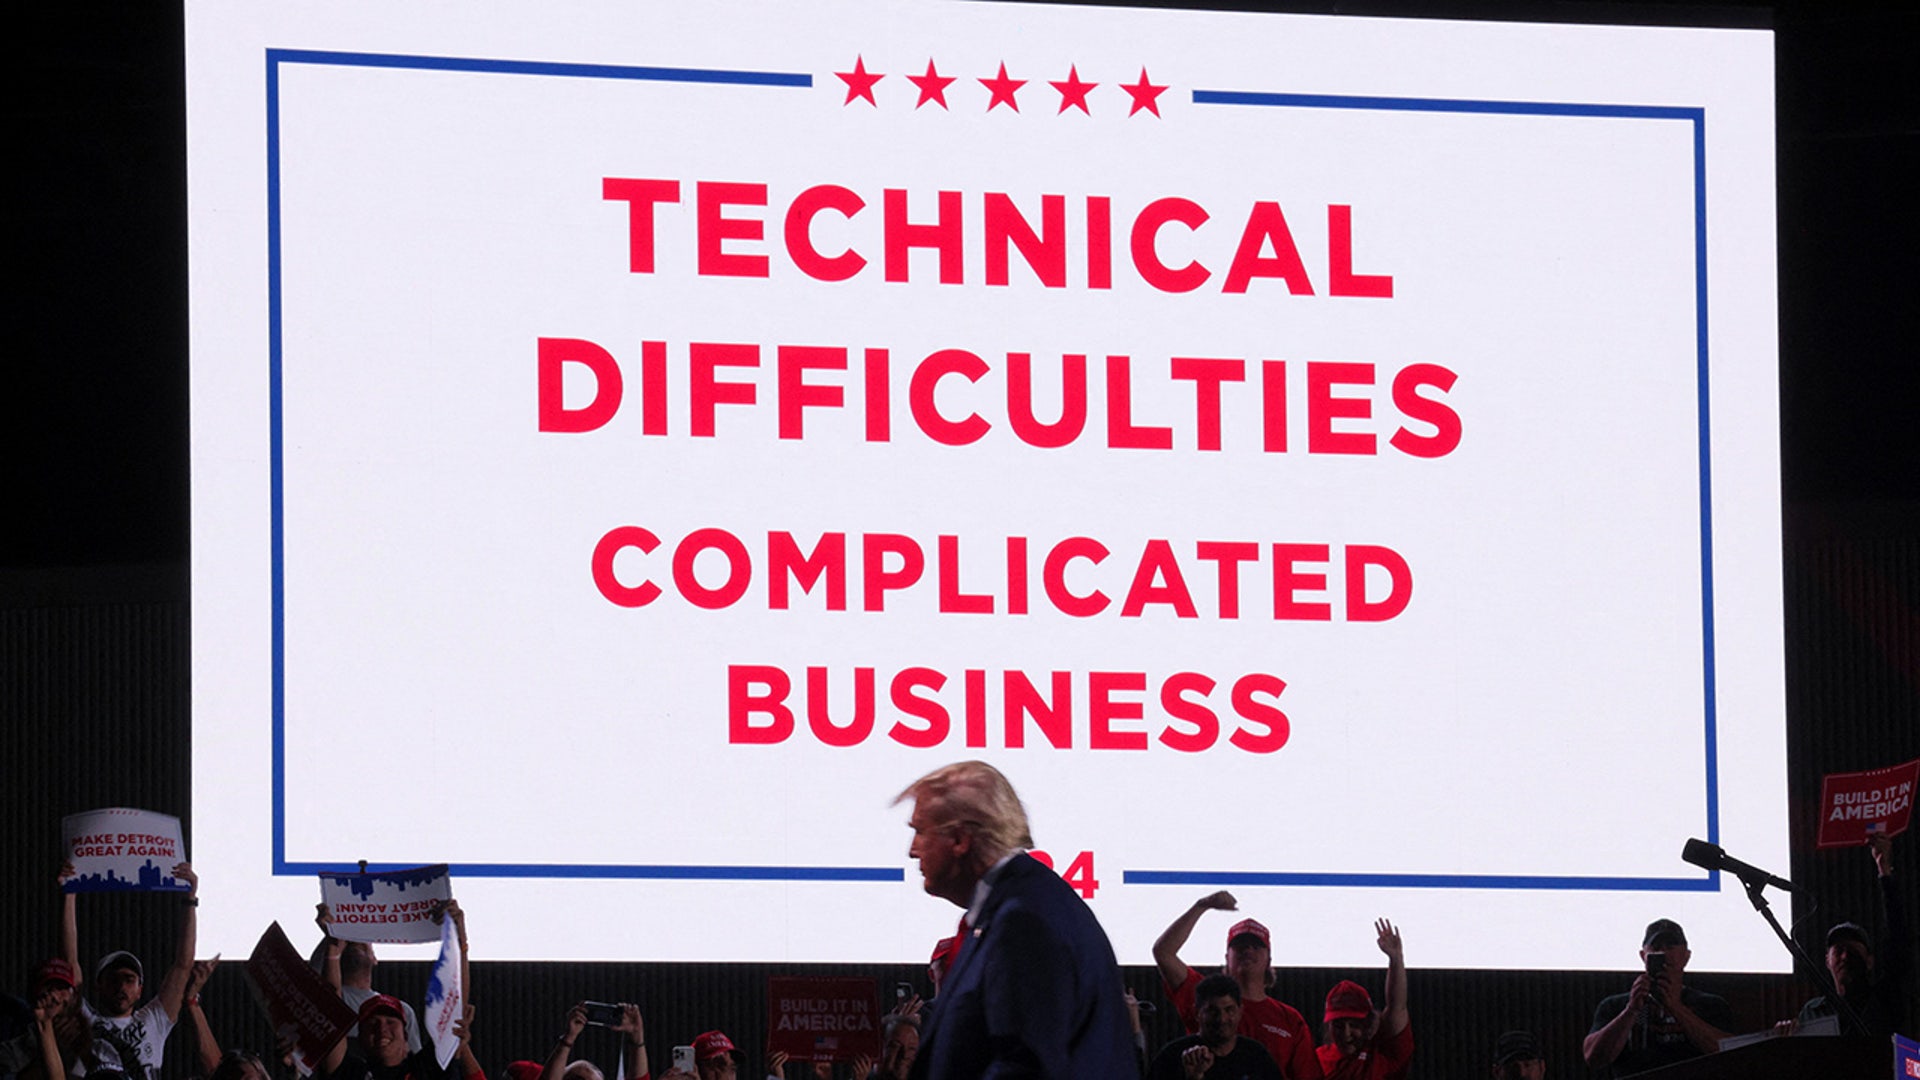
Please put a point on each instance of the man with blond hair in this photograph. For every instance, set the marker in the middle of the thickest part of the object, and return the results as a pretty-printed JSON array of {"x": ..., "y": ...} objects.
[{"x": 1030, "y": 986}]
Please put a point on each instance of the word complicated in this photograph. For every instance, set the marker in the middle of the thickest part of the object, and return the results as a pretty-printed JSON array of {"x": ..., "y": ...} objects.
[{"x": 1071, "y": 574}]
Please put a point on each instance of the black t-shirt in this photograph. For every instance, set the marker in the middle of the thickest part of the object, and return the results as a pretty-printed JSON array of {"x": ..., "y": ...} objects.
[
  {"x": 1248, "y": 1061},
  {"x": 1661, "y": 1040}
]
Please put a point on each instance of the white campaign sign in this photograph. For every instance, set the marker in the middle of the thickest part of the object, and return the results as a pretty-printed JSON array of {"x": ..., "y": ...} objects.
[
  {"x": 1330, "y": 459},
  {"x": 119, "y": 849},
  {"x": 396, "y": 907}
]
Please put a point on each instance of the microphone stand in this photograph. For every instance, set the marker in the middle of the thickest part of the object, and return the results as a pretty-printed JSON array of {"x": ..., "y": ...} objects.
[{"x": 1850, "y": 1017}]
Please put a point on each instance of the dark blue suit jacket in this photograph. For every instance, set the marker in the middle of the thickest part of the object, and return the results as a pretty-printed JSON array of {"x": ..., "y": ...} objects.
[{"x": 1036, "y": 991}]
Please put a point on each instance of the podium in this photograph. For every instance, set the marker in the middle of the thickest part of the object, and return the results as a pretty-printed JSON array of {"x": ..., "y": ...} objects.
[{"x": 1800, "y": 1057}]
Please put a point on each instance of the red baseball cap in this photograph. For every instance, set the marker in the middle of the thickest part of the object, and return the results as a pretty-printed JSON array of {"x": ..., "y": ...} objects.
[
  {"x": 1250, "y": 926},
  {"x": 55, "y": 970},
  {"x": 524, "y": 1070},
  {"x": 1348, "y": 1000},
  {"x": 383, "y": 1003},
  {"x": 712, "y": 1044}
]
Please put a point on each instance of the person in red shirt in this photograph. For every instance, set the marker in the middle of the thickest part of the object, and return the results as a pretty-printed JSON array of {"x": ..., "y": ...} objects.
[
  {"x": 1360, "y": 1045},
  {"x": 1268, "y": 1021}
]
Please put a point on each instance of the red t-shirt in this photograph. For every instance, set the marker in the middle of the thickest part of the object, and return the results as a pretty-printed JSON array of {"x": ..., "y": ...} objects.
[
  {"x": 1385, "y": 1058},
  {"x": 1270, "y": 1022}
]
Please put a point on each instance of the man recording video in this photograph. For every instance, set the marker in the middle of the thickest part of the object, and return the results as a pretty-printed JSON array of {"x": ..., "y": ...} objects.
[{"x": 1659, "y": 1021}]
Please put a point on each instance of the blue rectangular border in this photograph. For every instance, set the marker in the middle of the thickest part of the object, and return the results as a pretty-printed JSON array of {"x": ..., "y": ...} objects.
[
  {"x": 1697, "y": 117},
  {"x": 282, "y": 867}
]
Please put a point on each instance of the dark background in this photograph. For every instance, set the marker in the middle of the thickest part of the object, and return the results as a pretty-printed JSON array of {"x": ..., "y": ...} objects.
[{"x": 94, "y": 554}]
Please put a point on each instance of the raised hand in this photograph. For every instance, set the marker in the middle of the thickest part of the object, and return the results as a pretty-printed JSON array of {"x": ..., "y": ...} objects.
[
  {"x": 1389, "y": 939},
  {"x": 631, "y": 1023},
  {"x": 197, "y": 978},
  {"x": 1882, "y": 847}
]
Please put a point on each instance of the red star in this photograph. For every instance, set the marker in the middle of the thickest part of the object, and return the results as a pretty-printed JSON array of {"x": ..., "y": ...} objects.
[
  {"x": 1073, "y": 92},
  {"x": 1003, "y": 89},
  {"x": 1143, "y": 95},
  {"x": 933, "y": 86},
  {"x": 859, "y": 82}
]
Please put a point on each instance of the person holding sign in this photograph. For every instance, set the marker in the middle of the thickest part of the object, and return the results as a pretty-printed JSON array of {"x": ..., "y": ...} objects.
[
  {"x": 129, "y": 1037},
  {"x": 1658, "y": 1021},
  {"x": 1031, "y": 987},
  {"x": 348, "y": 968},
  {"x": 1875, "y": 987},
  {"x": 382, "y": 1043},
  {"x": 383, "y": 1050},
  {"x": 1249, "y": 961}
]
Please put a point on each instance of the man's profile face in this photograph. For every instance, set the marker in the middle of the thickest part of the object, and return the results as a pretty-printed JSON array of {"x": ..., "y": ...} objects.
[
  {"x": 117, "y": 990},
  {"x": 717, "y": 1068},
  {"x": 942, "y": 849},
  {"x": 1347, "y": 1034},
  {"x": 1849, "y": 962},
  {"x": 1526, "y": 1069},
  {"x": 1219, "y": 1020}
]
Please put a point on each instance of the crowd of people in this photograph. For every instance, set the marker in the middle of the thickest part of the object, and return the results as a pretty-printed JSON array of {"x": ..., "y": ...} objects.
[{"x": 1027, "y": 986}]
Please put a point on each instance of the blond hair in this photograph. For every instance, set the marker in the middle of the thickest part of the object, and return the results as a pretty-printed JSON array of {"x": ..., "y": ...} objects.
[{"x": 976, "y": 796}]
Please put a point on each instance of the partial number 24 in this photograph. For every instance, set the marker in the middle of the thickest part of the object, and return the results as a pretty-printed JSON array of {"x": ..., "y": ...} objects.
[{"x": 1079, "y": 872}]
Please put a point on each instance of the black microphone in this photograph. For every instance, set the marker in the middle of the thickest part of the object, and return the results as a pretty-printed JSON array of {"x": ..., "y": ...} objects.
[{"x": 1714, "y": 857}]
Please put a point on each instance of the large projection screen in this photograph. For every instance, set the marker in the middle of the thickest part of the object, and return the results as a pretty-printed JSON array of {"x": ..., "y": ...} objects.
[{"x": 1330, "y": 459}]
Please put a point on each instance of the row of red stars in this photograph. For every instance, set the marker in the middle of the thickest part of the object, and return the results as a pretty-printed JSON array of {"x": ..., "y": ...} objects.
[{"x": 1001, "y": 88}]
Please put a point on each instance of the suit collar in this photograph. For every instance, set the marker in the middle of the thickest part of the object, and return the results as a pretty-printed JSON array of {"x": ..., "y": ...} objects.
[{"x": 984, "y": 887}]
